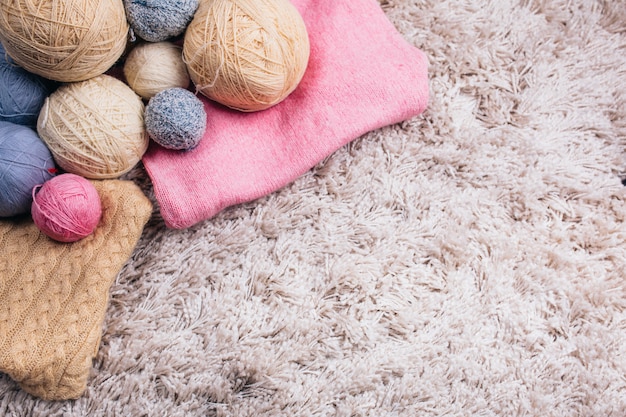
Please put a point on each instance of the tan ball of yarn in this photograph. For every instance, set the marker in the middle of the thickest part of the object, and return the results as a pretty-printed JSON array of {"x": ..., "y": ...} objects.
[
  {"x": 154, "y": 67},
  {"x": 64, "y": 40},
  {"x": 94, "y": 128},
  {"x": 246, "y": 54}
]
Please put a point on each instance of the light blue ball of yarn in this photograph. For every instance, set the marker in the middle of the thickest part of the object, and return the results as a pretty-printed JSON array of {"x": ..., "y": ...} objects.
[
  {"x": 159, "y": 20},
  {"x": 22, "y": 93},
  {"x": 175, "y": 119},
  {"x": 25, "y": 162}
]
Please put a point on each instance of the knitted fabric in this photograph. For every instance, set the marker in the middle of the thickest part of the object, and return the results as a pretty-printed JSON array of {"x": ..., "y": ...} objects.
[
  {"x": 53, "y": 295},
  {"x": 361, "y": 75}
]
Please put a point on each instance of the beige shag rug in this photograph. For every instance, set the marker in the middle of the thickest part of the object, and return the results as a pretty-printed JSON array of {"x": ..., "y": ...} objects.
[{"x": 468, "y": 262}]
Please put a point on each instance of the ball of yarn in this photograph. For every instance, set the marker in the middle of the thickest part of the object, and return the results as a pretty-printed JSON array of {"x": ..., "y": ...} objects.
[
  {"x": 176, "y": 119},
  {"x": 153, "y": 67},
  {"x": 246, "y": 54},
  {"x": 25, "y": 162},
  {"x": 21, "y": 93},
  {"x": 67, "y": 208},
  {"x": 94, "y": 128},
  {"x": 158, "y": 20},
  {"x": 64, "y": 40}
]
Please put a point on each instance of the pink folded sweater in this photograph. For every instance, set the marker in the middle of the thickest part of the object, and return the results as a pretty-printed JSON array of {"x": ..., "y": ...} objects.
[{"x": 361, "y": 75}]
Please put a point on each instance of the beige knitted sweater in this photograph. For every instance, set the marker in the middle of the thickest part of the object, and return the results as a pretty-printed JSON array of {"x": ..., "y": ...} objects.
[{"x": 53, "y": 296}]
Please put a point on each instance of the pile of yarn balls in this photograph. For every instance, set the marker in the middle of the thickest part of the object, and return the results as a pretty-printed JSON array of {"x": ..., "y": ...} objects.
[{"x": 77, "y": 108}]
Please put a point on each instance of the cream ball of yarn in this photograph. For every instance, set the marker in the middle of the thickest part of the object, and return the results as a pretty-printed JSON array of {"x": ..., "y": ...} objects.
[
  {"x": 154, "y": 67},
  {"x": 94, "y": 128},
  {"x": 64, "y": 40},
  {"x": 246, "y": 54}
]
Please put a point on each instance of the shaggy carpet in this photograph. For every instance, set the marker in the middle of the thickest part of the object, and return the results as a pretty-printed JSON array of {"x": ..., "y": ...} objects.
[{"x": 467, "y": 262}]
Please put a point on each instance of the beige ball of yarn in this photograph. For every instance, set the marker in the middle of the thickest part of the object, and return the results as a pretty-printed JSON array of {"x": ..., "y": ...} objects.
[
  {"x": 64, "y": 40},
  {"x": 246, "y": 54},
  {"x": 154, "y": 67},
  {"x": 94, "y": 128}
]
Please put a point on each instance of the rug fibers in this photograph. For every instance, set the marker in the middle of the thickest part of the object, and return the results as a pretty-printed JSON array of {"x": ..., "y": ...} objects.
[{"x": 467, "y": 262}]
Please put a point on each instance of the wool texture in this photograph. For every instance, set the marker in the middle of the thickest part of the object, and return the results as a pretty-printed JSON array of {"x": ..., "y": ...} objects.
[
  {"x": 25, "y": 162},
  {"x": 66, "y": 208},
  {"x": 65, "y": 41},
  {"x": 53, "y": 296},
  {"x": 22, "y": 93},
  {"x": 246, "y": 54},
  {"x": 158, "y": 20},
  {"x": 152, "y": 67},
  {"x": 361, "y": 75},
  {"x": 102, "y": 147},
  {"x": 175, "y": 119}
]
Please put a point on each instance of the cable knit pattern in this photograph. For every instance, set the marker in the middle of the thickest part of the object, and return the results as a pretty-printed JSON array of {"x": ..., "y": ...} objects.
[{"x": 53, "y": 296}]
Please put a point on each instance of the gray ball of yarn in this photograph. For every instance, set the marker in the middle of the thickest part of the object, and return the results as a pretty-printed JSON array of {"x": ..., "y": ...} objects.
[
  {"x": 159, "y": 20},
  {"x": 175, "y": 119}
]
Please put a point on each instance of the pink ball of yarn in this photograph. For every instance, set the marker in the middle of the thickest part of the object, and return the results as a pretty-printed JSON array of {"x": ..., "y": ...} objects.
[{"x": 66, "y": 208}]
